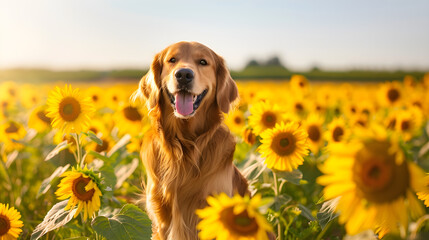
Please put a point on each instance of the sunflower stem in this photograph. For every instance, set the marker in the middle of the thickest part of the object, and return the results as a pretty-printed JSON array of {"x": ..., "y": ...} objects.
[
  {"x": 277, "y": 193},
  {"x": 79, "y": 150}
]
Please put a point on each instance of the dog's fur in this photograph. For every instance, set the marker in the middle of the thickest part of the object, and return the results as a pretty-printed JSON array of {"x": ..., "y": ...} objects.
[{"x": 187, "y": 158}]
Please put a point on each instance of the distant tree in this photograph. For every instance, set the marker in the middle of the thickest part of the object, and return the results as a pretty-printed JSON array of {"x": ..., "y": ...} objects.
[
  {"x": 315, "y": 69},
  {"x": 252, "y": 63},
  {"x": 274, "y": 61}
]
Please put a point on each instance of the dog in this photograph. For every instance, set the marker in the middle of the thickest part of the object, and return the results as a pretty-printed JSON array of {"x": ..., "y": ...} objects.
[{"x": 188, "y": 153}]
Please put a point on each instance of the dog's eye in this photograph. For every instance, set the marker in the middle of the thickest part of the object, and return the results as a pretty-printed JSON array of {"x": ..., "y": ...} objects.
[
  {"x": 172, "y": 60},
  {"x": 203, "y": 62}
]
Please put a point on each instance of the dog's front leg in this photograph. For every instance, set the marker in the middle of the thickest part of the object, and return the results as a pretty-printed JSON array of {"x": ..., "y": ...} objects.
[{"x": 159, "y": 212}]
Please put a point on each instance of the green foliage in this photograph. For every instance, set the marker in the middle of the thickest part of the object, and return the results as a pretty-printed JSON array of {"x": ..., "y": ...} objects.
[{"x": 130, "y": 223}]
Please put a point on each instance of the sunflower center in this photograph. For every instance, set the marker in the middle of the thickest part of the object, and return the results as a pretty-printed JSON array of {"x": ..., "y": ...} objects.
[
  {"x": 94, "y": 98},
  {"x": 4, "y": 225},
  {"x": 417, "y": 104},
  {"x": 301, "y": 84},
  {"x": 237, "y": 120},
  {"x": 283, "y": 144},
  {"x": 378, "y": 178},
  {"x": 241, "y": 224},
  {"x": 79, "y": 191},
  {"x": 313, "y": 133},
  {"x": 361, "y": 122},
  {"x": 393, "y": 95},
  {"x": 249, "y": 137},
  {"x": 69, "y": 109},
  {"x": 42, "y": 116},
  {"x": 337, "y": 133},
  {"x": 132, "y": 114},
  {"x": 337, "y": 111},
  {"x": 405, "y": 125},
  {"x": 102, "y": 147},
  {"x": 299, "y": 107},
  {"x": 366, "y": 111},
  {"x": 115, "y": 98},
  {"x": 13, "y": 128},
  {"x": 269, "y": 119}
]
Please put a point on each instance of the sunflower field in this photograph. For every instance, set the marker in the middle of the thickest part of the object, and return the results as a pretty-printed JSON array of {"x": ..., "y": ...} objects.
[{"x": 323, "y": 161}]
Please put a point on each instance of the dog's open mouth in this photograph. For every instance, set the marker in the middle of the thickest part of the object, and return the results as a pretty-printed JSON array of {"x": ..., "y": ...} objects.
[{"x": 186, "y": 103}]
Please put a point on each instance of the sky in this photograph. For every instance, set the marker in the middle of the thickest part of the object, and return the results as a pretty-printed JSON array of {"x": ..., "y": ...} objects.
[{"x": 105, "y": 34}]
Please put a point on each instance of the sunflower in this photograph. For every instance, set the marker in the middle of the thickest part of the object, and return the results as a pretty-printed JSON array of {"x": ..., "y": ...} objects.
[
  {"x": 135, "y": 144},
  {"x": 298, "y": 105},
  {"x": 98, "y": 127},
  {"x": 234, "y": 218},
  {"x": 69, "y": 109},
  {"x": 389, "y": 121},
  {"x": 235, "y": 120},
  {"x": 408, "y": 122},
  {"x": 390, "y": 94},
  {"x": 314, "y": 128},
  {"x": 9, "y": 90},
  {"x": 10, "y": 225},
  {"x": 115, "y": 98},
  {"x": 249, "y": 137},
  {"x": 10, "y": 132},
  {"x": 38, "y": 119},
  {"x": 130, "y": 119},
  {"x": 82, "y": 188},
  {"x": 264, "y": 115},
  {"x": 299, "y": 83},
  {"x": 423, "y": 194},
  {"x": 284, "y": 146},
  {"x": 30, "y": 96},
  {"x": 337, "y": 131},
  {"x": 359, "y": 121},
  {"x": 96, "y": 96},
  {"x": 107, "y": 144},
  {"x": 5, "y": 105},
  {"x": 374, "y": 178}
]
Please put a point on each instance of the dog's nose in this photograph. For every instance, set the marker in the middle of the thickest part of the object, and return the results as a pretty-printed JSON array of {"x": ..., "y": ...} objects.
[{"x": 184, "y": 76}]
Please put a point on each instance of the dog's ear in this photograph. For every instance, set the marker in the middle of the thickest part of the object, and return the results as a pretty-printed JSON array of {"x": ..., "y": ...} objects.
[
  {"x": 226, "y": 89},
  {"x": 150, "y": 84}
]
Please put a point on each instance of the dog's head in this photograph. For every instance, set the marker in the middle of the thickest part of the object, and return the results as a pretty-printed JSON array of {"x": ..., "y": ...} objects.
[{"x": 188, "y": 75}]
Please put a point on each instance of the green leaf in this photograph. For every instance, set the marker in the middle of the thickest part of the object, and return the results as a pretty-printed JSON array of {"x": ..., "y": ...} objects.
[
  {"x": 99, "y": 156},
  {"x": 63, "y": 145},
  {"x": 326, "y": 213},
  {"x": 294, "y": 177},
  {"x": 109, "y": 177},
  {"x": 280, "y": 201},
  {"x": 55, "y": 218},
  {"x": 94, "y": 138},
  {"x": 306, "y": 212},
  {"x": 130, "y": 223},
  {"x": 46, "y": 184}
]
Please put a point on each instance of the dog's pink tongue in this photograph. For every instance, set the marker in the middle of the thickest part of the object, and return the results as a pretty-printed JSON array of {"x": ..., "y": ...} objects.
[{"x": 184, "y": 103}]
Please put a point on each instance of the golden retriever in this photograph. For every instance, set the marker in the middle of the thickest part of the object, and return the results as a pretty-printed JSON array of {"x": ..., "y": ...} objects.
[{"x": 188, "y": 153}]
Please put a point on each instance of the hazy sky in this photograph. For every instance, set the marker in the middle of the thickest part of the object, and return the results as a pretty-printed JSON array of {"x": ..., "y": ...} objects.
[{"x": 64, "y": 34}]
